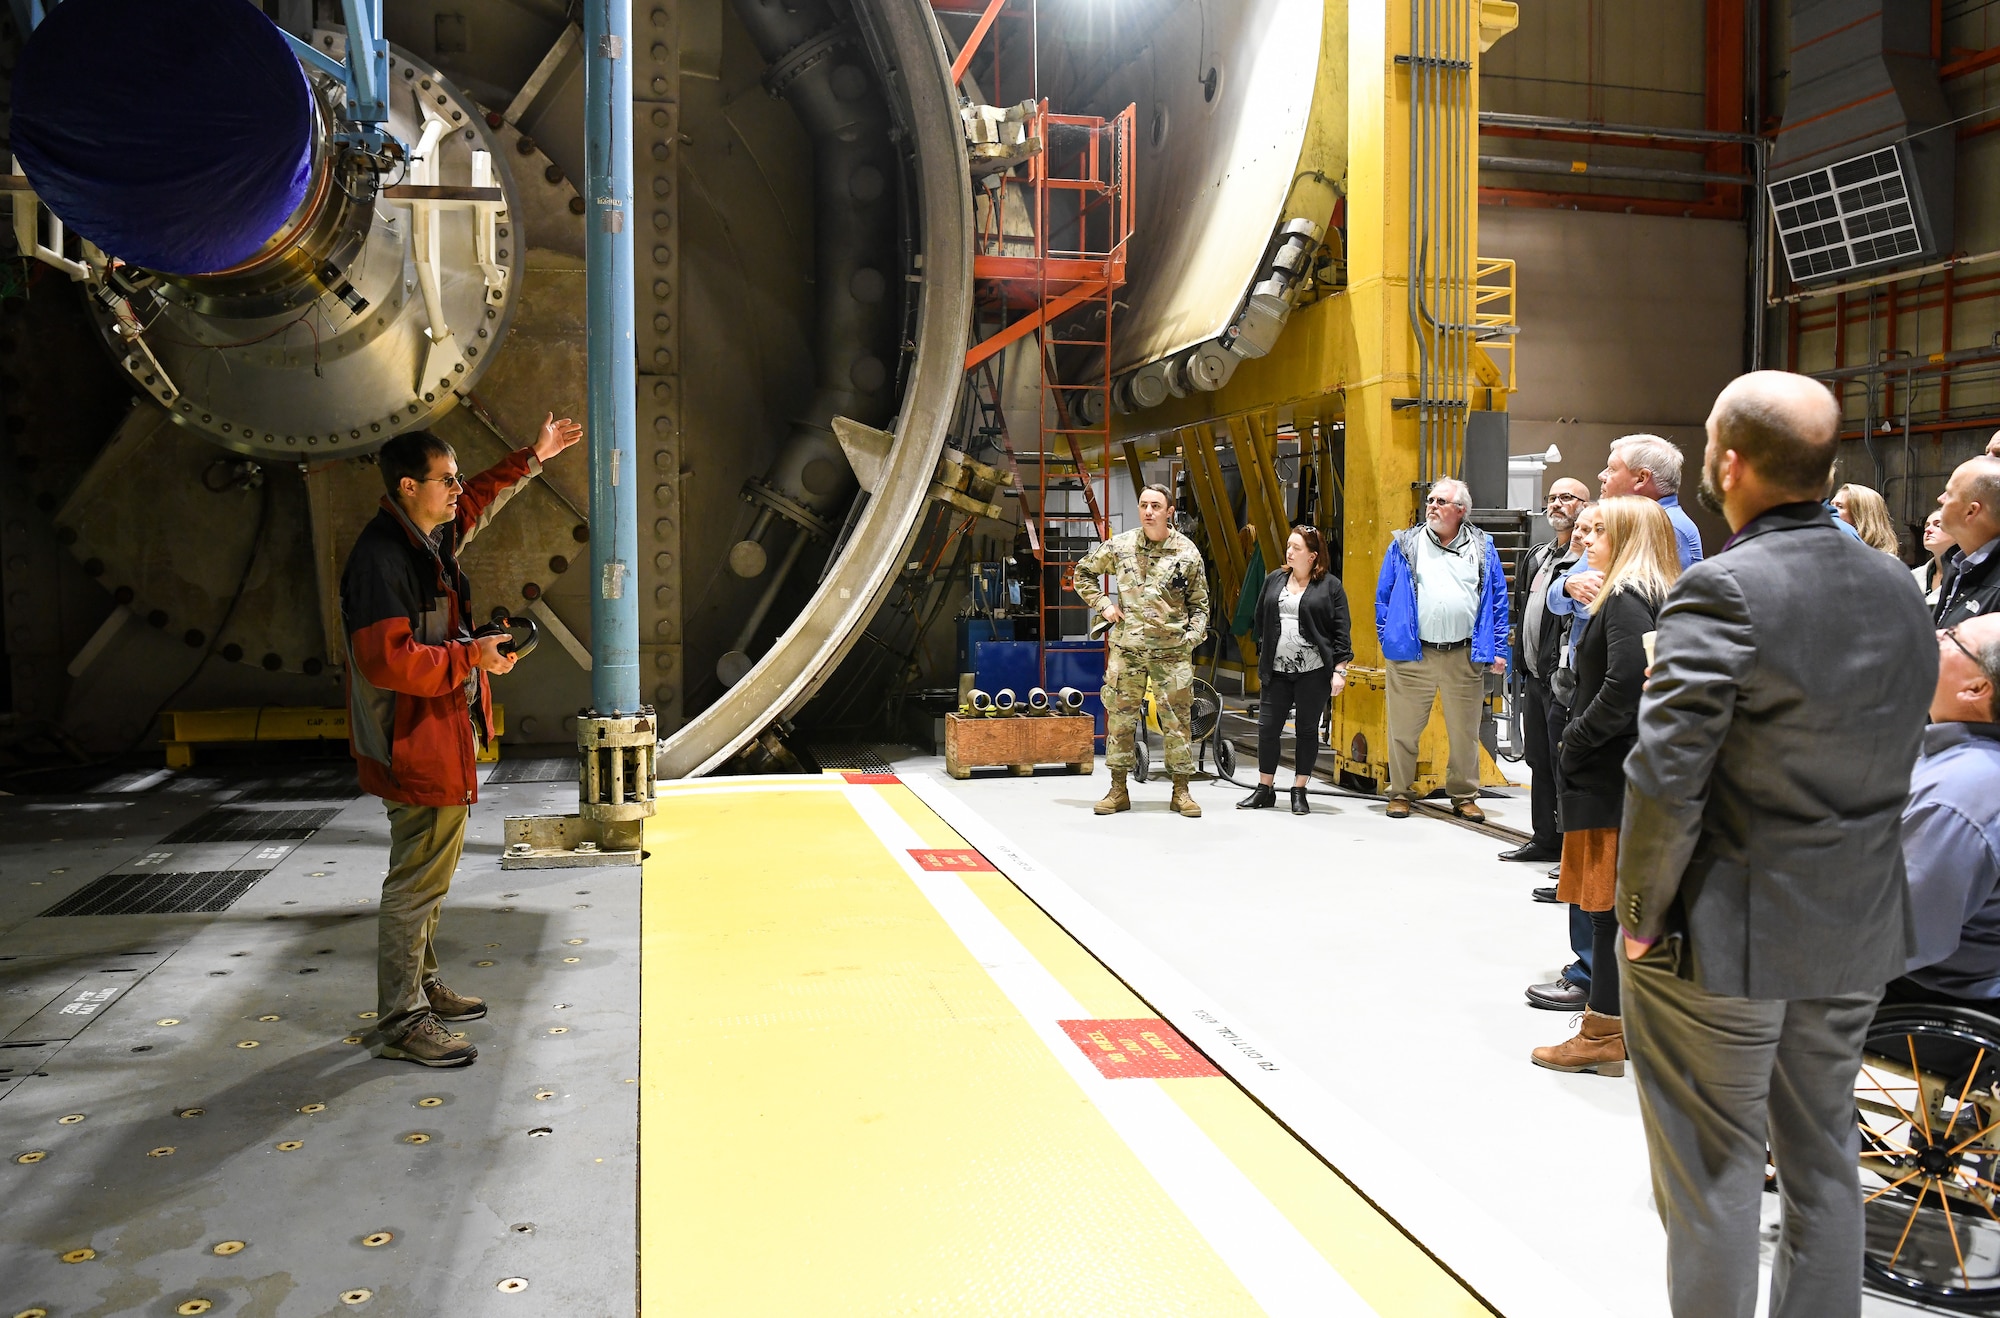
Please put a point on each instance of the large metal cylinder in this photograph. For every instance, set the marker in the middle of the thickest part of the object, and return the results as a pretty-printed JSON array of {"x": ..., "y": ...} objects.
[{"x": 370, "y": 310}]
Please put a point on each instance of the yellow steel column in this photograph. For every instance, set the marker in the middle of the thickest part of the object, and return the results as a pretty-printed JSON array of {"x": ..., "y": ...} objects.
[
  {"x": 1381, "y": 439},
  {"x": 1351, "y": 355}
]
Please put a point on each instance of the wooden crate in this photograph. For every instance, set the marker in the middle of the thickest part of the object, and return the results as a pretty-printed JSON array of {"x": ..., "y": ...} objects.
[{"x": 1018, "y": 742}]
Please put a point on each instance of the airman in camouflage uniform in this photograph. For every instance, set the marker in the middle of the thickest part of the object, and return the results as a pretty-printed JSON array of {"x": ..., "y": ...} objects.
[{"x": 1159, "y": 616}]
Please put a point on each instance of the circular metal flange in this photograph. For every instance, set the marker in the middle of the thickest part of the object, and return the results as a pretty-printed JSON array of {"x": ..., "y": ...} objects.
[
  {"x": 142, "y": 524},
  {"x": 353, "y": 363}
]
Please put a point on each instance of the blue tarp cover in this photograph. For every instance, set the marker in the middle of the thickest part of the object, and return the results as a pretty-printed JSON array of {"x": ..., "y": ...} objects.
[{"x": 174, "y": 134}]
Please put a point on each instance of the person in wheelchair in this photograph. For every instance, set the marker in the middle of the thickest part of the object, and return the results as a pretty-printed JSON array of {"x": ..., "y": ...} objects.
[
  {"x": 1951, "y": 830},
  {"x": 1303, "y": 649}
]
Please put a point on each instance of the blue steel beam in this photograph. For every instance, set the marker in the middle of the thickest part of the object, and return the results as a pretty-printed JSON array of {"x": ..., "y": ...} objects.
[
  {"x": 367, "y": 61},
  {"x": 613, "y": 383},
  {"x": 317, "y": 58}
]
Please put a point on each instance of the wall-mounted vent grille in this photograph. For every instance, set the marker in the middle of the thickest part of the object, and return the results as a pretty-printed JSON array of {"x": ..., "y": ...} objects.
[
  {"x": 1856, "y": 213},
  {"x": 159, "y": 894}
]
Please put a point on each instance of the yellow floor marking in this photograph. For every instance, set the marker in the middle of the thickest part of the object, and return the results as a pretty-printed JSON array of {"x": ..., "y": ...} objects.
[
  {"x": 842, "y": 1114},
  {"x": 1396, "y": 1277}
]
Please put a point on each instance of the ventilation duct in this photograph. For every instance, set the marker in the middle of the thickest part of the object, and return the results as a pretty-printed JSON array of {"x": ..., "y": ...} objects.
[{"x": 1858, "y": 179}]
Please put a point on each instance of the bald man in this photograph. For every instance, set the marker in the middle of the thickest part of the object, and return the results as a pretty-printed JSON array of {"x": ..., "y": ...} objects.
[
  {"x": 1971, "y": 508},
  {"x": 1951, "y": 829},
  {"x": 1760, "y": 865},
  {"x": 1993, "y": 445}
]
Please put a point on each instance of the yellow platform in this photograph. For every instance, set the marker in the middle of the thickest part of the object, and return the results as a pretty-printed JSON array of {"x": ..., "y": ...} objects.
[{"x": 859, "y": 1097}]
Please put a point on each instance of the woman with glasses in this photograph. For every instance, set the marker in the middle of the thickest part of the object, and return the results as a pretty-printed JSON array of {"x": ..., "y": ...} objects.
[
  {"x": 1631, "y": 542},
  {"x": 1303, "y": 650}
]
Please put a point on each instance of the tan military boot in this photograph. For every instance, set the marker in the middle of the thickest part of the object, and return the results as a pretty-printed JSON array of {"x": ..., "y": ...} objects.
[
  {"x": 1182, "y": 802},
  {"x": 1116, "y": 799}
]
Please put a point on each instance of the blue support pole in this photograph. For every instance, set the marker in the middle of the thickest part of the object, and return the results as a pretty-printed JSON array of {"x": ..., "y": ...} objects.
[{"x": 608, "y": 316}]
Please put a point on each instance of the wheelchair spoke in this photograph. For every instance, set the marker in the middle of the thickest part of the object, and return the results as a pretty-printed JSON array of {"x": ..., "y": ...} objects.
[
  {"x": 1965, "y": 1143},
  {"x": 1915, "y": 1208},
  {"x": 1879, "y": 1088},
  {"x": 1959, "y": 1107},
  {"x": 1882, "y": 1137},
  {"x": 1951, "y": 1228},
  {"x": 1893, "y": 1184},
  {"x": 1923, "y": 1108}
]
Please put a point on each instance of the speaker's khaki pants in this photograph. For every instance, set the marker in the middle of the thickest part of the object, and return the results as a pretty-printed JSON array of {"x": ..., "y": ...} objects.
[
  {"x": 424, "y": 845},
  {"x": 1447, "y": 676}
]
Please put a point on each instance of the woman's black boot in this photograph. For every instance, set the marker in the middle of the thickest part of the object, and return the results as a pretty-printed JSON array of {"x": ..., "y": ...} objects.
[
  {"x": 1299, "y": 806},
  {"x": 1262, "y": 797}
]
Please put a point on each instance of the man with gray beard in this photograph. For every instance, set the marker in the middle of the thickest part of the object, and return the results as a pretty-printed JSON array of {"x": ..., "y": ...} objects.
[{"x": 1540, "y": 639}]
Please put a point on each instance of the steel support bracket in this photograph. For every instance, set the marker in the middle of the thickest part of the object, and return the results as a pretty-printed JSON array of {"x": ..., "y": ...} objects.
[{"x": 553, "y": 842}]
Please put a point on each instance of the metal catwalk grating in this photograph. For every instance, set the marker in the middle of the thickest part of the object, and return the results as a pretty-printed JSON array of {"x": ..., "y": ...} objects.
[
  {"x": 331, "y": 782},
  {"x": 159, "y": 894},
  {"x": 852, "y": 756},
  {"x": 541, "y": 769},
  {"x": 224, "y": 824}
]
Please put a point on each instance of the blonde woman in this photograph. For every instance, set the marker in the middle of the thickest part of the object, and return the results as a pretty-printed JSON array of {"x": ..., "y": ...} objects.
[
  {"x": 1635, "y": 551},
  {"x": 1865, "y": 511}
]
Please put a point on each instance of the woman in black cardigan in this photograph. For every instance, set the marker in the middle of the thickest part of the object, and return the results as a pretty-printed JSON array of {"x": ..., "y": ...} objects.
[
  {"x": 1635, "y": 551},
  {"x": 1302, "y": 657}
]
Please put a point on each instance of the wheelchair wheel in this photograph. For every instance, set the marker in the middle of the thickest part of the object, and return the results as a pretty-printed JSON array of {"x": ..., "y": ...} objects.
[
  {"x": 1928, "y": 1103},
  {"x": 1141, "y": 758}
]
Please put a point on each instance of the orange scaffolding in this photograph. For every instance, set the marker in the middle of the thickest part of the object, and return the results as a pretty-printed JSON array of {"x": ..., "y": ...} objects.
[{"x": 1050, "y": 251}]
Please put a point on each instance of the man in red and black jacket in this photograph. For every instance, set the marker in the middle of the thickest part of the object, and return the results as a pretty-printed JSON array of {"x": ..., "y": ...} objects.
[{"x": 417, "y": 707}]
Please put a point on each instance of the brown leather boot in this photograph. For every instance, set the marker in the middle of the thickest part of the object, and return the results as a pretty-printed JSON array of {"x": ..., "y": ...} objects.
[
  {"x": 1116, "y": 799},
  {"x": 1182, "y": 803},
  {"x": 453, "y": 1007},
  {"x": 1598, "y": 1048},
  {"x": 428, "y": 1043}
]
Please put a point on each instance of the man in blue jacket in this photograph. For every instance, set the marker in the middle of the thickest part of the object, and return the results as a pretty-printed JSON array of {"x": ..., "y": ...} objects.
[{"x": 1441, "y": 615}]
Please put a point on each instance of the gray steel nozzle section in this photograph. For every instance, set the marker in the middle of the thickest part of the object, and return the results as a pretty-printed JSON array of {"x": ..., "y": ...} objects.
[{"x": 820, "y": 66}]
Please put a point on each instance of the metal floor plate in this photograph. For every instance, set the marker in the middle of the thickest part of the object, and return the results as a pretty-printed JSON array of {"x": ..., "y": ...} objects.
[{"x": 216, "y": 1101}]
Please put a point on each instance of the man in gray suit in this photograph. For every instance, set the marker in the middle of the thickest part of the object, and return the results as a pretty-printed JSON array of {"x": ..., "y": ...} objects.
[{"x": 1760, "y": 871}]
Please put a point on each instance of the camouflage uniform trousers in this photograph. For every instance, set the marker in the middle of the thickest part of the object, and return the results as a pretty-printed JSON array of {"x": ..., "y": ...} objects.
[{"x": 1126, "y": 673}]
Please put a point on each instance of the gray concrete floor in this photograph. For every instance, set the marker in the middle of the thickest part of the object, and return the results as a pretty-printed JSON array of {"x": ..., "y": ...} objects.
[
  {"x": 1388, "y": 959},
  {"x": 517, "y": 1172}
]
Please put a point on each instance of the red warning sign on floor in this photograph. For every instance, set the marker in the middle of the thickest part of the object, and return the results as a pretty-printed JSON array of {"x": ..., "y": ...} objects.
[
  {"x": 866, "y": 779},
  {"x": 956, "y": 860},
  {"x": 1139, "y": 1050}
]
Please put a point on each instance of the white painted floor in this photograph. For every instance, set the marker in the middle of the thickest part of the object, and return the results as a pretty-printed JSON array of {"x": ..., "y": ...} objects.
[{"x": 1386, "y": 959}]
